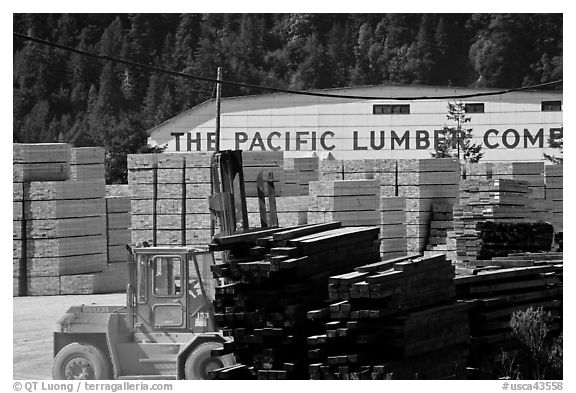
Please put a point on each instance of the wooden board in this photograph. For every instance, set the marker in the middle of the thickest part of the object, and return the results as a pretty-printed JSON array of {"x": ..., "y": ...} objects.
[
  {"x": 56, "y": 209},
  {"x": 56, "y": 266},
  {"x": 65, "y": 227}
]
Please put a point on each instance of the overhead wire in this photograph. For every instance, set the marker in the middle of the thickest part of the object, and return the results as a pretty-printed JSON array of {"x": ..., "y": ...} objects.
[{"x": 272, "y": 89}]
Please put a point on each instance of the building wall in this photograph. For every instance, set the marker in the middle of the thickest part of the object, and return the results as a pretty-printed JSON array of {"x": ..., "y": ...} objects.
[{"x": 513, "y": 126}]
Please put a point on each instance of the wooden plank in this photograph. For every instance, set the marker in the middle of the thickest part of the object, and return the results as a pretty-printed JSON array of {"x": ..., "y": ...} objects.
[
  {"x": 300, "y": 231},
  {"x": 246, "y": 236},
  {"x": 384, "y": 265}
]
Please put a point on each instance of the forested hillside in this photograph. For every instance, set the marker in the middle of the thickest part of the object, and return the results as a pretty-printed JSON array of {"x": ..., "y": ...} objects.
[{"x": 63, "y": 96}]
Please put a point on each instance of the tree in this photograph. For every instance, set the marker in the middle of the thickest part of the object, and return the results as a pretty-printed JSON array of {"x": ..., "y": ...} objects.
[
  {"x": 457, "y": 141},
  {"x": 558, "y": 146},
  {"x": 532, "y": 327}
]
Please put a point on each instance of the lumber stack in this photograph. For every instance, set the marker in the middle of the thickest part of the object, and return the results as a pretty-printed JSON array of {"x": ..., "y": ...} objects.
[
  {"x": 40, "y": 162},
  {"x": 65, "y": 233},
  {"x": 331, "y": 170},
  {"x": 254, "y": 162},
  {"x": 142, "y": 179},
  {"x": 393, "y": 242},
  {"x": 352, "y": 202},
  {"x": 170, "y": 221},
  {"x": 87, "y": 163},
  {"x": 423, "y": 182},
  {"x": 197, "y": 189},
  {"x": 505, "y": 203},
  {"x": 298, "y": 173},
  {"x": 291, "y": 210},
  {"x": 441, "y": 230},
  {"x": 392, "y": 319},
  {"x": 495, "y": 294},
  {"x": 273, "y": 278},
  {"x": 529, "y": 173},
  {"x": 555, "y": 194}
]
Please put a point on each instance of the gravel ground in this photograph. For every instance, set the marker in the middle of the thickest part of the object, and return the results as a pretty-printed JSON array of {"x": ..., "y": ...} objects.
[{"x": 34, "y": 322}]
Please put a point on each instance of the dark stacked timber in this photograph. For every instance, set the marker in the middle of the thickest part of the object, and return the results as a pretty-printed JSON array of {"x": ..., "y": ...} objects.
[
  {"x": 498, "y": 201},
  {"x": 442, "y": 229},
  {"x": 392, "y": 319},
  {"x": 393, "y": 242},
  {"x": 495, "y": 294},
  {"x": 273, "y": 278},
  {"x": 501, "y": 239}
]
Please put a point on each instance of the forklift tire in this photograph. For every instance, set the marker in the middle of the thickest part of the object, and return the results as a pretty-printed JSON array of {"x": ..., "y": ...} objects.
[
  {"x": 200, "y": 361},
  {"x": 80, "y": 361}
]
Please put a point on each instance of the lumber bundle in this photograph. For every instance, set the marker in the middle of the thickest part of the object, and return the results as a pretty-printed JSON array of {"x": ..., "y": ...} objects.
[
  {"x": 352, "y": 202},
  {"x": 393, "y": 241},
  {"x": 423, "y": 182},
  {"x": 529, "y": 173},
  {"x": 555, "y": 194},
  {"x": 87, "y": 163},
  {"x": 142, "y": 175},
  {"x": 273, "y": 278},
  {"x": 64, "y": 228},
  {"x": 441, "y": 227},
  {"x": 267, "y": 162},
  {"x": 298, "y": 173},
  {"x": 40, "y": 161},
  {"x": 495, "y": 294},
  {"x": 506, "y": 204},
  {"x": 291, "y": 210},
  {"x": 392, "y": 319},
  {"x": 331, "y": 170}
]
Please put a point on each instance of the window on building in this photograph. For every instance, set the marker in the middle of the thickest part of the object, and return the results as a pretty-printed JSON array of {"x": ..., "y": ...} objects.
[
  {"x": 397, "y": 109},
  {"x": 551, "y": 106},
  {"x": 474, "y": 108}
]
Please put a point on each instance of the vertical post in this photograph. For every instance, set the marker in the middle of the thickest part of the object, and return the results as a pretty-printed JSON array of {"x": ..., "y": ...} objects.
[{"x": 218, "y": 97}]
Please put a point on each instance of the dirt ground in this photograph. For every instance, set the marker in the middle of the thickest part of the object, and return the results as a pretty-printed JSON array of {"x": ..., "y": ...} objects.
[{"x": 34, "y": 322}]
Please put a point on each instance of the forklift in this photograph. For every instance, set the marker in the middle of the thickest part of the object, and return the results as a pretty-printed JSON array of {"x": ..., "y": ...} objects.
[{"x": 167, "y": 329}]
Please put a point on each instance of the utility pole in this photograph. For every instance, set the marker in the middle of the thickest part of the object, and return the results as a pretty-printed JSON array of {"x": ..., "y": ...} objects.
[{"x": 218, "y": 97}]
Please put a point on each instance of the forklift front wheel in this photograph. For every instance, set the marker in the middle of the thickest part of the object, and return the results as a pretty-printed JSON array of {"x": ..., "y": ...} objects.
[
  {"x": 200, "y": 361},
  {"x": 80, "y": 361}
]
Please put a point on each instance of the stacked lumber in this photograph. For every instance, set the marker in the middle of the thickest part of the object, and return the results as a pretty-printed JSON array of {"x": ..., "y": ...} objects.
[
  {"x": 65, "y": 233},
  {"x": 273, "y": 277},
  {"x": 291, "y": 210},
  {"x": 392, "y": 227},
  {"x": 170, "y": 220},
  {"x": 142, "y": 175},
  {"x": 423, "y": 182},
  {"x": 113, "y": 277},
  {"x": 501, "y": 201},
  {"x": 352, "y": 202},
  {"x": 197, "y": 189},
  {"x": 495, "y": 294},
  {"x": 87, "y": 163},
  {"x": 555, "y": 194},
  {"x": 40, "y": 162},
  {"x": 392, "y": 319},
  {"x": 441, "y": 230},
  {"x": 254, "y": 162},
  {"x": 529, "y": 173},
  {"x": 298, "y": 173},
  {"x": 345, "y": 170}
]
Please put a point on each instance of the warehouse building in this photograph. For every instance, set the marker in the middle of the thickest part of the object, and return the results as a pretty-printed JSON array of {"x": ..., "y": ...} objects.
[{"x": 515, "y": 126}]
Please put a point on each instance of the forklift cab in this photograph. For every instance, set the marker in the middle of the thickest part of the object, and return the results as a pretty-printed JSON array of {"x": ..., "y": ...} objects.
[{"x": 171, "y": 290}]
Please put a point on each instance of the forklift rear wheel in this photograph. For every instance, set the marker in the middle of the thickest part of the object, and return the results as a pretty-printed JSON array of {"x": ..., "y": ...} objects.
[
  {"x": 80, "y": 361},
  {"x": 200, "y": 361}
]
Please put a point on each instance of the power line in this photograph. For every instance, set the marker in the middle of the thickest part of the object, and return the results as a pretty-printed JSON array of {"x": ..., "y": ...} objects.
[{"x": 272, "y": 89}]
